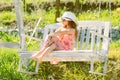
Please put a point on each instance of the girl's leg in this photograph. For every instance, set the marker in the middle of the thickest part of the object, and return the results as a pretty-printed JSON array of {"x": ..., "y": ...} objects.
[
  {"x": 47, "y": 43},
  {"x": 36, "y": 54},
  {"x": 46, "y": 51},
  {"x": 55, "y": 60}
]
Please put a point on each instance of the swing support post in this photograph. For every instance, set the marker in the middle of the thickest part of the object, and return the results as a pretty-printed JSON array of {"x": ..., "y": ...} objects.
[{"x": 20, "y": 24}]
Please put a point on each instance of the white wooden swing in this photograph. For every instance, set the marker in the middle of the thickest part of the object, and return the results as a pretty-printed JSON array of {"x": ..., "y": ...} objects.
[{"x": 92, "y": 44}]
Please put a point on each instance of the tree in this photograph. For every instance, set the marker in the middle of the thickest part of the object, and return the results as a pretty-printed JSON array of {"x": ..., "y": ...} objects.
[
  {"x": 76, "y": 10},
  {"x": 57, "y": 10}
]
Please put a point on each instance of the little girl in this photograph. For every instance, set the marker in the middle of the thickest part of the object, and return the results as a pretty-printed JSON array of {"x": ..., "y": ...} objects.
[{"x": 61, "y": 39}]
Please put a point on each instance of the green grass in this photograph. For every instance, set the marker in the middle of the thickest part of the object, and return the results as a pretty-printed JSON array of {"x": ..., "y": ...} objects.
[
  {"x": 82, "y": 1},
  {"x": 30, "y": 20},
  {"x": 7, "y": 18},
  {"x": 9, "y": 37},
  {"x": 104, "y": 16},
  {"x": 9, "y": 58},
  {"x": 6, "y": 1},
  {"x": 63, "y": 71},
  {"x": 8, "y": 64}
]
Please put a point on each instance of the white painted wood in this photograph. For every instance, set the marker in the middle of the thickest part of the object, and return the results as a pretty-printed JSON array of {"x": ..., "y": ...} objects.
[
  {"x": 105, "y": 43},
  {"x": 78, "y": 55},
  {"x": 20, "y": 24},
  {"x": 90, "y": 23},
  {"x": 102, "y": 36},
  {"x": 99, "y": 31},
  {"x": 82, "y": 38},
  {"x": 89, "y": 35},
  {"x": 87, "y": 38},
  {"x": 10, "y": 45},
  {"x": 92, "y": 40},
  {"x": 36, "y": 27}
]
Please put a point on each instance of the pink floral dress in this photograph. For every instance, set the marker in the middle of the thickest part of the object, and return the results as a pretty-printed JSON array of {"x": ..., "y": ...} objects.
[{"x": 63, "y": 42}]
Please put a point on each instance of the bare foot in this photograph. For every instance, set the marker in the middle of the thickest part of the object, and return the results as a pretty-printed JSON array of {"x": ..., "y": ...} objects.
[
  {"x": 39, "y": 59},
  {"x": 55, "y": 61}
]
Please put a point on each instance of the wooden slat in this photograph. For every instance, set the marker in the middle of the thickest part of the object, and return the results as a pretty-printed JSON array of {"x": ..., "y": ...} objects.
[
  {"x": 105, "y": 43},
  {"x": 31, "y": 73},
  {"x": 87, "y": 38},
  {"x": 51, "y": 30},
  {"x": 9, "y": 44},
  {"x": 97, "y": 73},
  {"x": 78, "y": 38},
  {"x": 102, "y": 36},
  {"x": 82, "y": 38},
  {"x": 92, "y": 40},
  {"x": 91, "y": 23},
  {"x": 78, "y": 55},
  {"x": 99, "y": 31}
]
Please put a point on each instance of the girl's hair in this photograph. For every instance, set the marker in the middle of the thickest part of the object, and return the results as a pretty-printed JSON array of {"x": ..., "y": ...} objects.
[{"x": 74, "y": 26}]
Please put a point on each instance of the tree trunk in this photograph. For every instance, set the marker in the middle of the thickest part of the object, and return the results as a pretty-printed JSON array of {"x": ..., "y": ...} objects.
[
  {"x": 76, "y": 10},
  {"x": 57, "y": 10}
]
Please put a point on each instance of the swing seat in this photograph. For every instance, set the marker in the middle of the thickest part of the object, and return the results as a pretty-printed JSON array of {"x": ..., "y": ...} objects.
[{"x": 91, "y": 45}]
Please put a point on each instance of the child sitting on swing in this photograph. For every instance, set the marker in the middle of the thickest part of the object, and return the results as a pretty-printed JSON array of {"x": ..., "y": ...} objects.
[{"x": 62, "y": 39}]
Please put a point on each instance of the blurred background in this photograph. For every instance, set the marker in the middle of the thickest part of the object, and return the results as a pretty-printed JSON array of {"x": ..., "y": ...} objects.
[{"x": 48, "y": 11}]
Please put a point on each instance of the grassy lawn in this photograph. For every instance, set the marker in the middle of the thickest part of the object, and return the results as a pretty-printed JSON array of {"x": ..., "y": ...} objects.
[
  {"x": 63, "y": 71},
  {"x": 9, "y": 58}
]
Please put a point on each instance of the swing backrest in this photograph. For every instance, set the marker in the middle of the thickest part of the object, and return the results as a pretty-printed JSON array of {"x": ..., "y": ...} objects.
[
  {"x": 88, "y": 39},
  {"x": 92, "y": 35}
]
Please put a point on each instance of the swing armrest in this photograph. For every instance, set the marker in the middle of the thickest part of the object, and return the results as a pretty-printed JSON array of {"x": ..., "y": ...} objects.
[
  {"x": 37, "y": 39},
  {"x": 102, "y": 36}
]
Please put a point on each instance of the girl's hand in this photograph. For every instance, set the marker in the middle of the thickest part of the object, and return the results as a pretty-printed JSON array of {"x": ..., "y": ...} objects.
[
  {"x": 52, "y": 34},
  {"x": 49, "y": 37}
]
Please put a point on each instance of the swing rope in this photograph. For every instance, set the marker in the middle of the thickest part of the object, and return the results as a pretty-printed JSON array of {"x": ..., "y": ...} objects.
[
  {"x": 36, "y": 27},
  {"x": 110, "y": 18},
  {"x": 99, "y": 9},
  {"x": 34, "y": 30}
]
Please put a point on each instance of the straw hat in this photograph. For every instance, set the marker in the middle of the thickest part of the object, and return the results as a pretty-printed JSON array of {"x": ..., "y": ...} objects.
[{"x": 68, "y": 16}]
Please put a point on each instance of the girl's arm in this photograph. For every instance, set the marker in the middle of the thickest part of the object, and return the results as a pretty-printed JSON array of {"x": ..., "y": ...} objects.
[
  {"x": 53, "y": 34},
  {"x": 68, "y": 31}
]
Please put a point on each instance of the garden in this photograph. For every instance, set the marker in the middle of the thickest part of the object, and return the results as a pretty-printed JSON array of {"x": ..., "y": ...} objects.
[{"x": 32, "y": 10}]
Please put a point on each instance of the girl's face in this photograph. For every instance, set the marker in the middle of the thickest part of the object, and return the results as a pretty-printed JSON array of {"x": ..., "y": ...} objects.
[{"x": 65, "y": 22}]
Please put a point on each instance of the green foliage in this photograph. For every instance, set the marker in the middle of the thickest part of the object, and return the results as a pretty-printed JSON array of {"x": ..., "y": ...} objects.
[
  {"x": 9, "y": 64},
  {"x": 7, "y": 17},
  {"x": 5, "y": 36},
  {"x": 6, "y": 1},
  {"x": 114, "y": 18},
  {"x": 30, "y": 20},
  {"x": 63, "y": 71},
  {"x": 115, "y": 45}
]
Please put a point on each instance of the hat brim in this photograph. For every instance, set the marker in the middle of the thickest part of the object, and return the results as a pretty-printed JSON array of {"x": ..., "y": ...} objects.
[{"x": 60, "y": 19}]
